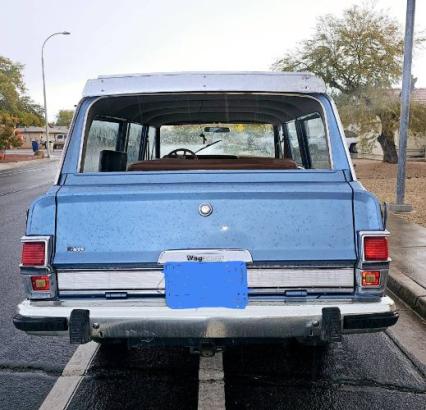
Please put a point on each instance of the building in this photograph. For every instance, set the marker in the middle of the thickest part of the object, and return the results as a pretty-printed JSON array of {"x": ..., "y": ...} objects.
[{"x": 57, "y": 135}]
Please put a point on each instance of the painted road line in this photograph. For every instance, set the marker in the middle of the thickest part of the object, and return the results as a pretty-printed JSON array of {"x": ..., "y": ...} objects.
[
  {"x": 211, "y": 383},
  {"x": 63, "y": 390}
]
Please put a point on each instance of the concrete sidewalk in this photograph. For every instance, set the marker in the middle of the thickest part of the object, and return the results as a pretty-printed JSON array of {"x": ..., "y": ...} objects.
[
  {"x": 4, "y": 166},
  {"x": 408, "y": 268}
]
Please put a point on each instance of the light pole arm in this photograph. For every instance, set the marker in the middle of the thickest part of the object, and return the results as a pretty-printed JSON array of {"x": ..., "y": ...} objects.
[{"x": 44, "y": 88}]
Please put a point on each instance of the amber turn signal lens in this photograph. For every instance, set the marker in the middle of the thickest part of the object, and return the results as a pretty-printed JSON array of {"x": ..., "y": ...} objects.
[
  {"x": 370, "y": 278},
  {"x": 33, "y": 253},
  {"x": 40, "y": 283}
]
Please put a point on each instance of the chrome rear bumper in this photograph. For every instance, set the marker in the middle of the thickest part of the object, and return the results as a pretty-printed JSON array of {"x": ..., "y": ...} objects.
[{"x": 138, "y": 319}]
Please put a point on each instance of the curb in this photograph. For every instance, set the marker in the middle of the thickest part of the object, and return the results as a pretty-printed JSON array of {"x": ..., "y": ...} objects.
[
  {"x": 6, "y": 166},
  {"x": 409, "y": 291}
]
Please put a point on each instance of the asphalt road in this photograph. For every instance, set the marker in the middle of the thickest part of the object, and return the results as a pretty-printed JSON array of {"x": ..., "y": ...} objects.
[
  {"x": 29, "y": 365},
  {"x": 376, "y": 371}
]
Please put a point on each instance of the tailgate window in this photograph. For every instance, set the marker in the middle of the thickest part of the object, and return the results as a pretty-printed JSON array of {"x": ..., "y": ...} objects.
[{"x": 202, "y": 131}]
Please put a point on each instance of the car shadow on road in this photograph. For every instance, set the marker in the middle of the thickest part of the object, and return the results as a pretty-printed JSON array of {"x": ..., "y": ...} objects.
[
  {"x": 361, "y": 372},
  {"x": 148, "y": 378}
]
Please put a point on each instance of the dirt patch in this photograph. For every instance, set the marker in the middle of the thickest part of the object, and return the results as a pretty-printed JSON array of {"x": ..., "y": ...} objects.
[{"x": 380, "y": 178}]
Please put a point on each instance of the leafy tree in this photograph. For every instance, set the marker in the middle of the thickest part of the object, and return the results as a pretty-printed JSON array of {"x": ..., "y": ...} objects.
[
  {"x": 359, "y": 56},
  {"x": 8, "y": 138},
  {"x": 16, "y": 108},
  {"x": 64, "y": 117}
]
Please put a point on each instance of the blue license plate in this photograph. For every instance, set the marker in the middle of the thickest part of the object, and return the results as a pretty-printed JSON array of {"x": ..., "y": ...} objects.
[{"x": 206, "y": 284}]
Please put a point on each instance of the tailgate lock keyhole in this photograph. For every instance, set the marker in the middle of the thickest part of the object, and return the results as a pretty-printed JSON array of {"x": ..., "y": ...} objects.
[{"x": 205, "y": 209}]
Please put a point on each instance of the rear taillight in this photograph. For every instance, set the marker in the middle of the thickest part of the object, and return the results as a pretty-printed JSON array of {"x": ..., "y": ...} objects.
[
  {"x": 40, "y": 283},
  {"x": 37, "y": 274},
  {"x": 376, "y": 248},
  {"x": 370, "y": 278},
  {"x": 33, "y": 254}
]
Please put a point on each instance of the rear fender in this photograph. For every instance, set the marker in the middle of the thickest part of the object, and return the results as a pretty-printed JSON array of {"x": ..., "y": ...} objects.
[{"x": 42, "y": 214}]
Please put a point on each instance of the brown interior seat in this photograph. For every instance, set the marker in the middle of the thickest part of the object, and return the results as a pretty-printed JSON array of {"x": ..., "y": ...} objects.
[{"x": 175, "y": 164}]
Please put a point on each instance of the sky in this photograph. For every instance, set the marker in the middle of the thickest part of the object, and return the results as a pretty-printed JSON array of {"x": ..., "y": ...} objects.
[{"x": 134, "y": 36}]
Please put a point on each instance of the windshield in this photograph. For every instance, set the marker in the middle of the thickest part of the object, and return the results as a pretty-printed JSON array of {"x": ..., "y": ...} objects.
[{"x": 227, "y": 139}]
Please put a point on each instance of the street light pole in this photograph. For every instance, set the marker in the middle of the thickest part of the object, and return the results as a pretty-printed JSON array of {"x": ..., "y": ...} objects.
[
  {"x": 405, "y": 108},
  {"x": 65, "y": 33}
]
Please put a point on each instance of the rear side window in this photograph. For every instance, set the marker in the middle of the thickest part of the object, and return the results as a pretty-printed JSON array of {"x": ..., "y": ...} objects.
[
  {"x": 294, "y": 142},
  {"x": 317, "y": 142},
  {"x": 134, "y": 142},
  {"x": 103, "y": 135}
]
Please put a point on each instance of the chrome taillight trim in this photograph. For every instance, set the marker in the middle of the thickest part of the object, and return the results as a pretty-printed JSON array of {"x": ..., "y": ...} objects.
[
  {"x": 27, "y": 271},
  {"x": 40, "y": 294},
  {"x": 362, "y": 235},
  {"x": 47, "y": 250},
  {"x": 384, "y": 273}
]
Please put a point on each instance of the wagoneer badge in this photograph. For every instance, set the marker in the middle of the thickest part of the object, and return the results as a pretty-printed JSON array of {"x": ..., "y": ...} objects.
[
  {"x": 205, "y": 209},
  {"x": 75, "y": 249}
]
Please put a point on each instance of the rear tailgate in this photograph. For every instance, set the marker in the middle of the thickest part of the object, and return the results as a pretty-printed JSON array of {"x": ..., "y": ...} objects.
[{"x": 122, "y": 220}]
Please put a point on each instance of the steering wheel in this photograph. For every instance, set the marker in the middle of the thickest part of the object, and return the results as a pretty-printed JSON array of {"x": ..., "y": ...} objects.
[{"x": 186, "y": 154}]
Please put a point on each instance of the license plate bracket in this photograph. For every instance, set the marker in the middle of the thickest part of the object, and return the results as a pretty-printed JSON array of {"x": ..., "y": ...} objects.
[{"x": 206, "y": 284}]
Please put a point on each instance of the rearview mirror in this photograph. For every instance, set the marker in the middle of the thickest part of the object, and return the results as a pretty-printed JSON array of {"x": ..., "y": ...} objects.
[{"x": 217, "y": 129}]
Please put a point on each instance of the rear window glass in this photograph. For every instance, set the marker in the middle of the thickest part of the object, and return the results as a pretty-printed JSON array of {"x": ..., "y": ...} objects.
[{"x": 190, "y": 131}]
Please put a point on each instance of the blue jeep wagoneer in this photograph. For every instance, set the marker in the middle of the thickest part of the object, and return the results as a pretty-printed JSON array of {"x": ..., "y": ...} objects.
[{"x": 205, "y": 208}]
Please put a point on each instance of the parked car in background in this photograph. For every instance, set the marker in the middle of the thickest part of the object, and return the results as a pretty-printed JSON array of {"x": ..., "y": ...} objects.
[
  {"x": 59, "y": 141},
  {"x": 352, "y": 140},
  {"x": 203, "y": 209}
]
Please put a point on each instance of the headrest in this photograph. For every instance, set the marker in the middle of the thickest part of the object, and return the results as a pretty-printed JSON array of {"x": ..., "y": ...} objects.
[{"x": 112, "y": 161}]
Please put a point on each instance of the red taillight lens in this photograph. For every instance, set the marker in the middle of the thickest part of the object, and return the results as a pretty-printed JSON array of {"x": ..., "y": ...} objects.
[
  {"x": 40, "y": 282},
  {"x": 376, "y": 248},
  {"x": 33, "y": 253},
  {"x": 370, "y": 278}
]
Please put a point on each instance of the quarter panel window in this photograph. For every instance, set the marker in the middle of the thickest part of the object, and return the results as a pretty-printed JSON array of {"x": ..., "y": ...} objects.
[
  {"x": 134, "y": 142},
  {"x": 294, "y": 142},
  {"x": 103, "y": 135},
  {"x": 317, "y": 142}
]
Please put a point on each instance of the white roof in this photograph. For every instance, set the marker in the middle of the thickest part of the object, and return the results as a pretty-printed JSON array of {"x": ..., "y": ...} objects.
[{"x": 245, "y": 81}]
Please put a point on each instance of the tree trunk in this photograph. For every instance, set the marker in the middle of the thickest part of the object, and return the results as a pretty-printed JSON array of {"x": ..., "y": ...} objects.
[
  {"x": 389, "y": 121},
  {"x": 387, "y": 143}
]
